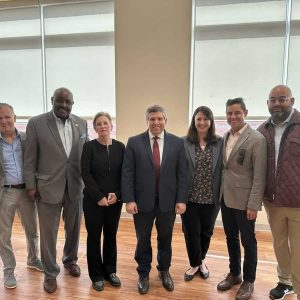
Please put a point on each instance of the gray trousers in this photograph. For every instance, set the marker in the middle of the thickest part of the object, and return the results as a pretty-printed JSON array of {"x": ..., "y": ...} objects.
[
  {"x": 13, "y": 200},
  {"x": 49, "y": 219}
]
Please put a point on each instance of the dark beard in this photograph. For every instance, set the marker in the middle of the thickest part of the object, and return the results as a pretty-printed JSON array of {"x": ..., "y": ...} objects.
[{"x": 279, "y": 117}]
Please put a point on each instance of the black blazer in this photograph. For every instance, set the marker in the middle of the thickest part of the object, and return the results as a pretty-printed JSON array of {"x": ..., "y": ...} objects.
[
  {"x": 138, "y": 177},
  {"x": 217, "y": 149}
]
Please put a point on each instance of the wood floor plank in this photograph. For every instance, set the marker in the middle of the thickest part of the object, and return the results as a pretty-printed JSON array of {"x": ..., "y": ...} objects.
[{"x": 30, "y": 282}]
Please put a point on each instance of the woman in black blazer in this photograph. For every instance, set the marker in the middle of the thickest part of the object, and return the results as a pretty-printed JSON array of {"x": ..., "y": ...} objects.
[
  {"x": 101, "y": 164},
  {"x": 204, "y": 154}
]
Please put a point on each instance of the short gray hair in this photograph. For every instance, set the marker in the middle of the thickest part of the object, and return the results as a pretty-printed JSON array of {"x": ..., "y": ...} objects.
[
  {"x": 7, "y": 105},
  {"x": 155, "y": 108}
]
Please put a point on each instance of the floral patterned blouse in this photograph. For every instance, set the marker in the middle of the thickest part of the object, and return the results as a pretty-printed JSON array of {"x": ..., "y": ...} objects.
[{"x": 201, "y": 188}]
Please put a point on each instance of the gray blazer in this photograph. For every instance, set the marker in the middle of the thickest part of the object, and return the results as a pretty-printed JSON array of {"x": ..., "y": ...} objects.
[
  {"x": 46, "y": 165},
  {"x": 217, "y": 149},
  {"x": 2, "y": 172},
  {"x": 244, "y": 173},
  {"x": 138, "y": 177}
]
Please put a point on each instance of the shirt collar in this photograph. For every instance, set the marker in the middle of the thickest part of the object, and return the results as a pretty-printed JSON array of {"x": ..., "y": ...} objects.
[
  {"x": 160, "y": 136},
  {"x": 17, "y": 134},
  {"x": 240, "y": 131},
  {"x": 285, "y": 122}
]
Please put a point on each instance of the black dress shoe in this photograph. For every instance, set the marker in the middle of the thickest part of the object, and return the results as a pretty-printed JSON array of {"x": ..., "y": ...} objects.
[
  {"x": 204, "y": 275},
  {"x": 167, "y": 280},
  {"x": 188, "y": 277},
  {"x": 98, "y": 285},
  {"x": 143, "y": 284},
  {"x": 113, "y": 279}
]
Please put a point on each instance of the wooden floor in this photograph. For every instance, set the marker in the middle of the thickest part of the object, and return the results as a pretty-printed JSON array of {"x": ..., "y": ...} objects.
[{"x": 30, "y": 282}]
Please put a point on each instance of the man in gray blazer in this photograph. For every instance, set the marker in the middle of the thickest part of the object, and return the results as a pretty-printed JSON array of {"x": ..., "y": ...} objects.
[
  {"x": 52, "y": 175},
  {"x": 13, "y": 198},
  {"x": 154, "y": 186},
  {"x": 242, "y": 189}
]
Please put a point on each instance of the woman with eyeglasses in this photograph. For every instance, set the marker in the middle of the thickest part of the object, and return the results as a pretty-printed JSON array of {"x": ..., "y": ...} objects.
[{"x": 204, "y": 154}]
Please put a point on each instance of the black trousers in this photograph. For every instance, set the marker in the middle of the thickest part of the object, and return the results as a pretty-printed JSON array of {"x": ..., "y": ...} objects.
[
  {"x": 235, "y": 222},
  {"x": 198, "y": 223},
  {"x": 143, "y": 222},
  {"x": 98, "y": 219}
]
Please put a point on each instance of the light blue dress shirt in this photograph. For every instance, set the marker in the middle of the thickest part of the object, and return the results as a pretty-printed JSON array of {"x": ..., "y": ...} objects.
[{"x": 12, "y": 161}]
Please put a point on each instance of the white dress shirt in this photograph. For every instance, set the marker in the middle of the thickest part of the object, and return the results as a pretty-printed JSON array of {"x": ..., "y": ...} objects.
[{"x": 65, "y": 133}]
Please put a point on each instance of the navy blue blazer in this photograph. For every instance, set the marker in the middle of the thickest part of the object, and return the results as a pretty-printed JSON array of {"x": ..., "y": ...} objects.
[{"x": 138, "y": 176}]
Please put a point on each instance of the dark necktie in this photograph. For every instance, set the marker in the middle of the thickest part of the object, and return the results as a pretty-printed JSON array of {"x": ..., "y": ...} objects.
[{"x": 156, "y": 161}]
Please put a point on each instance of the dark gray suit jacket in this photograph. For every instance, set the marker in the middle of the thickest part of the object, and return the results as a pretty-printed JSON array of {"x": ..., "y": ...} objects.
[
  {"x": 217, "y": 149},
  {"x": 138, "y": 177}
]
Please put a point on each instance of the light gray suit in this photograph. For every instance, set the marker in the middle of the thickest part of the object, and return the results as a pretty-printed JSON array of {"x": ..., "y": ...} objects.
[
  {"x": 57, "y": 179},
  {"x": 12, "y": 200}
]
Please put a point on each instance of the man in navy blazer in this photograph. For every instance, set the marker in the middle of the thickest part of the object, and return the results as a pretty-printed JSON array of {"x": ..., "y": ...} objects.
[{"x": 154, "y": 186}]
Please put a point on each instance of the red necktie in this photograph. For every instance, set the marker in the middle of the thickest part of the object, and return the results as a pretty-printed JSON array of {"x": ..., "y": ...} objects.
[{"x": 156, "y": 161}]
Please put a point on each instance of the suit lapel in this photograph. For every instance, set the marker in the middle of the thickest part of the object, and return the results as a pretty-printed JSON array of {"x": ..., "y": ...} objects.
[
  {"x": 216, "y": 148},
  {"x": 244, "y": 136},
  {"x": 226, "y": 136},
  {"x": 53, "y": 128},
  {"x": 75, "y": 132},
  {"x": 165, "y": 151},
  {"x": 146, "y": 142},
  {"x": 191, "y": 151}
]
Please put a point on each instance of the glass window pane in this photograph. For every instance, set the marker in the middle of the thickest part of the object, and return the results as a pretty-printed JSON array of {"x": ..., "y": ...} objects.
[
  {"x": 294, "y": 58},
  {"x": 79, "y": 47},
  {"x": 239, "y": 51},
  {"x": 20, "y": 60}
]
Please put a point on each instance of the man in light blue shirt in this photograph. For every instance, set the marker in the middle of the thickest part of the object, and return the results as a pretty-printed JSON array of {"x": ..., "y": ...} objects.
[{"x": 13, "y": 197}]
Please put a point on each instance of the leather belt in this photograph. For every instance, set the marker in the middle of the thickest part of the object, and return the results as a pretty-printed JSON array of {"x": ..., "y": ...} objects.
[{"x": 20, "y": 186}]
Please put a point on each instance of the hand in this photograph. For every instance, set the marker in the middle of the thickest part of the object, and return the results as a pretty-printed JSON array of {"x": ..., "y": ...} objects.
[
  {"x": 112, "y": 198},
  {"x": 251, "y": 214},
  {"x": 131, "y": 208},
  {"x": 103, "y": 202},
  {"x": 180, "y": 208},
  {"x": 32, "y": 194}
]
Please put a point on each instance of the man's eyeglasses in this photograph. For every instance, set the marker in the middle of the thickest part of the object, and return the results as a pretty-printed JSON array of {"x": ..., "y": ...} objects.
[{"x": 281, "y": 100}]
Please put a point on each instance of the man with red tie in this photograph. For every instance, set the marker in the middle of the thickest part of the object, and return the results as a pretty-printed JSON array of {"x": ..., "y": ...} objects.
[{"x": 154, "y": 187}]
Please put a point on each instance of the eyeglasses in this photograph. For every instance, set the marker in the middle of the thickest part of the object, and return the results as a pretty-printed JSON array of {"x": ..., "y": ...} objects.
[{"x": 281, "y": 100}]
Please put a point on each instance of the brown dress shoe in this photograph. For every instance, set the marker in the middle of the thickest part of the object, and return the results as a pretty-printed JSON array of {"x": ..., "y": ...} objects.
[
  {"x": 229, "y": 281},
  {"x": 245, "y": 291},
  {"x": 50, "y": 285},
  {"x": 73, "y": 269}
]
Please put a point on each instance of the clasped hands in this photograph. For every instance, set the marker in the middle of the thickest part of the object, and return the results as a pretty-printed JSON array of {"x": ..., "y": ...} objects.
[
  {"x": 132, "y": 209},
  {"x": 110, "y": 199}
]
